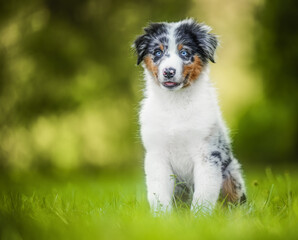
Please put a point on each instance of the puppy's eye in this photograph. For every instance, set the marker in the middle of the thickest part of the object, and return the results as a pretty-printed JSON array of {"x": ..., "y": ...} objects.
[
  {"x": 158, "y": 53},
  {"x": 184, "y": 53}
]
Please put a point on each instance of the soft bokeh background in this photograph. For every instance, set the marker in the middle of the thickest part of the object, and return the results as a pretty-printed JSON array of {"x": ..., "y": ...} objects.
[{"x": 70, "y": 87}]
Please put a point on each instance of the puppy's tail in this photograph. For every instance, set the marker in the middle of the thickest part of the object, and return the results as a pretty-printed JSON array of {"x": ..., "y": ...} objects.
[{"x": 233, "y": 187}]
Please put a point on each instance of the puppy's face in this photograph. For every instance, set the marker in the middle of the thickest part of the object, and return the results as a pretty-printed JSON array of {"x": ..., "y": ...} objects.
[{"x": 175, "y": 53}]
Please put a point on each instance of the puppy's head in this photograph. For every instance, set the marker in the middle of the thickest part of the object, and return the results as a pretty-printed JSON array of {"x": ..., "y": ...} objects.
[{"x": 175, "y": 53}]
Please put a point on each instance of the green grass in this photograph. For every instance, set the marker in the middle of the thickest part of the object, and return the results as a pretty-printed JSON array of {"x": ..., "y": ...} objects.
[{"x": 113, "y": 206}]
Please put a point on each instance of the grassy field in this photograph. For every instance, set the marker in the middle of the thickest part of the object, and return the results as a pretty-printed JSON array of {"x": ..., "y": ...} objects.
[{"x": 113, "y": 206}]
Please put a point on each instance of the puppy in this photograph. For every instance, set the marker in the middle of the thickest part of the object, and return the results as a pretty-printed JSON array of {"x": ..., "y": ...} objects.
[{"x": 182, "y": 129}]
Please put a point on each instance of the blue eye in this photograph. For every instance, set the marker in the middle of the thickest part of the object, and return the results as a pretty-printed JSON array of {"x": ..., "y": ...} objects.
[
  {"x": 158, "y": 53},
  {"x": 184, "y": 53}
]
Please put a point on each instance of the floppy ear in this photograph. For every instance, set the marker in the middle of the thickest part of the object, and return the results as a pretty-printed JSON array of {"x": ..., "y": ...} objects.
[
  {"x": 206, "y": 41},
  {"x": 141, "y": 47},
  {"x": 142, "y": 43}
]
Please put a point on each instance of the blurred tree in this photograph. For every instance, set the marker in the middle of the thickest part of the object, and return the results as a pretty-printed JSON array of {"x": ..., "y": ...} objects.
[
  {"x": 69, "y": 88},
  {"x": 269, "y": 129}
]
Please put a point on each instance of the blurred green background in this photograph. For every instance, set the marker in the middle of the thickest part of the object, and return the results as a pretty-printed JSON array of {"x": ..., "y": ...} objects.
[{"x": 70, "y": 88}]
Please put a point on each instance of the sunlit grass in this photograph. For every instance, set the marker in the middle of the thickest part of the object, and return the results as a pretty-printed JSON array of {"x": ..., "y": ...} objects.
[{"x": 114, "y": 206}]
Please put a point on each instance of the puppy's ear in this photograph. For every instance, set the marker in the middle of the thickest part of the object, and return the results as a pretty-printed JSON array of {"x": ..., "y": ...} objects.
[
  {"x": 152, "y": 31},
  {"x": 207, "y": 41},
  {"x": 141, "y": 47}
]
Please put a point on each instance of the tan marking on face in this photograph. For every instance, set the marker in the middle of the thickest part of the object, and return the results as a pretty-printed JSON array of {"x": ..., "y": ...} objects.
[
  {"x": 161, "y": 47},
  {"x": 229, "y": 190},
  {"x": 180, "y": 46},
  {"x": 151, "y": 67},
  {"x": 192, "y": 71}
]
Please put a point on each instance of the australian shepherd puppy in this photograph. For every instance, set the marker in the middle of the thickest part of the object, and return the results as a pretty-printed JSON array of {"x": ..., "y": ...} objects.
[{"x": 183, "y": 132}]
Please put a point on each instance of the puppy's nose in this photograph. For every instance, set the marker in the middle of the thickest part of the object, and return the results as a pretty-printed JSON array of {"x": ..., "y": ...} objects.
[{"x": 169, "y": 72}]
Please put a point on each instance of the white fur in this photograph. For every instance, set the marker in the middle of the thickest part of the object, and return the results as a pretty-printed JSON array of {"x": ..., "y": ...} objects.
[{"x": 177, "y": 128}]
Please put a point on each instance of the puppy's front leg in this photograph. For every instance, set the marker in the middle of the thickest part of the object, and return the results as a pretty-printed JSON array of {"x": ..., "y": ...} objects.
[
  {"x": 160, "y": 183},
  {"x": 207, "y": 184}
]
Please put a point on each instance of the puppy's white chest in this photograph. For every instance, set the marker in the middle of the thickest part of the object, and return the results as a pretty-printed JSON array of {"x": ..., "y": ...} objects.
[
  {"x": 166, "y": 128},
  {"x": 178, "y": 128},
  {"x": 176, "y": 134}
]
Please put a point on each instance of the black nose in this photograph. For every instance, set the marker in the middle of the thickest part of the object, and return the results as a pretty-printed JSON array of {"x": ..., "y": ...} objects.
[{"x": 169, "y": 72}]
